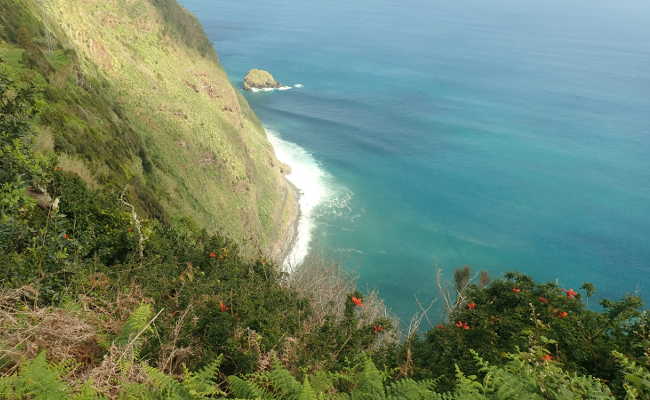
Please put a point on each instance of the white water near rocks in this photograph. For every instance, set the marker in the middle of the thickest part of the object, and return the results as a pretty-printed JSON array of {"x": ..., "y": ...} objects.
[{"x": 311, "y": 181}]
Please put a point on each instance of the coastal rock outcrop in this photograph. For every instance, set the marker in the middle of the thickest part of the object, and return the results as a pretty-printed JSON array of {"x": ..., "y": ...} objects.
[{"x": 260, "y": 79}]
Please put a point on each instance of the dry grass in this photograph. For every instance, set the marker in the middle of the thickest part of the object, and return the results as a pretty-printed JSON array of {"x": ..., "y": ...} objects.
[
  {"x": 112, "y": 373},
  {"x": 44, "y": 141},
  {"x": 74, "y": 337},
  {"x": 72, "y": 164},
  {"x": 27, "y": 331}
]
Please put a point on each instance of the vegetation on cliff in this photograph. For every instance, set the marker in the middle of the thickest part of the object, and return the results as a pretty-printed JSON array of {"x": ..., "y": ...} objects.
[
  {"x": 133, "y": 98},
  {"x": 109, "y": 293}
]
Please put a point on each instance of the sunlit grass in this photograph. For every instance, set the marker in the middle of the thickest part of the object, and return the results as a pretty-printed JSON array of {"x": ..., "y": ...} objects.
[{"x": 207, "y": 156}]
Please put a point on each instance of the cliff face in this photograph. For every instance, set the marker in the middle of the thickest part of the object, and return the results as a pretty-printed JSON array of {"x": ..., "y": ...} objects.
[{"x": 135, "y": 100}]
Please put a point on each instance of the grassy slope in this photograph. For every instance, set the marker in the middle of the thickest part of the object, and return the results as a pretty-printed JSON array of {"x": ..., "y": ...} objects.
[{"x": 180, "y": 136}]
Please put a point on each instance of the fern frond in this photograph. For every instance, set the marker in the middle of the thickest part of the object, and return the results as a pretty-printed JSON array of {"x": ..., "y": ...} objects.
[
  {"x": 248, "y": 390},
  {"x": 87, "y": 392},
  {"x": 306, "y": 391},
  {"x": 284, "y": 383},
  {"x": 166, "y": 385},
  {"x": 38, "y": 380},
  {"x": 138, "y": 322},
  {"x": 202, "y": 384},
  {"x": 371, "y": 383},
  {"x": 408, "y": 389}
]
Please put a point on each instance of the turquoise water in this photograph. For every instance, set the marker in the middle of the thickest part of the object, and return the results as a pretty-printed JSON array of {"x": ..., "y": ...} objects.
[{"x": 506, "y": 135}]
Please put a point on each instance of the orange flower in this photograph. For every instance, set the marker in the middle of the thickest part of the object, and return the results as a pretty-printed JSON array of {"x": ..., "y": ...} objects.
[
  {"x": 377, "y": 328},
  {"x": 223, "y": 307},
  {"x": 516, "y": 290},
  {"x": 213, "y": 255},
  {"x": 440, "y": 326},
  {"x": 547, "y": 357},
  {"x": 571, "y": 293},
  {"x": 66, "y": 236},
  {"x": 462, "y": 325},
  {"x": 471, "y": 306},
  {"x": 543, "y": 299},
  {"x": 357, "y": 301},
  {"x": 563, "y": 314}
]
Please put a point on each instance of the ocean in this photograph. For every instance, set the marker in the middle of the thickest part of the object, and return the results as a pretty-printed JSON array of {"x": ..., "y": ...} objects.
[{"x": 506, "y": 135}]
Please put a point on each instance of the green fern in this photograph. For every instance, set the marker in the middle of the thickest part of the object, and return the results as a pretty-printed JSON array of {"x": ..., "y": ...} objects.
[
  {"x": 306, "y": 391},
  {"x": 87, "y": 392},
  {"x": 36, "y": 380},
  {"x": 408, "y": 389},
  {"x": 201, "y": 384},
  {"x": 247, "y": 390},
  {"x": 137, "y": 324},
  {"x": 284, "y": 383},
  {"x": 166, "y": 385},
  {"x": 637, "y": 378},
  {"x": 371, "y": 383}
]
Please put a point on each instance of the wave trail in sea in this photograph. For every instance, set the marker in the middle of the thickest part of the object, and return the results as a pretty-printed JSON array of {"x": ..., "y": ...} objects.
[
  {"x": 311, "y": 181},
  {"x": 281, "y": 88}
]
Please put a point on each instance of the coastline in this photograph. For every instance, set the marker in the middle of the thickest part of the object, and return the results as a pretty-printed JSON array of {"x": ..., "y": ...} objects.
[
  {"x": 305, "y": 182},
  {"x": 289, "y": 238}
]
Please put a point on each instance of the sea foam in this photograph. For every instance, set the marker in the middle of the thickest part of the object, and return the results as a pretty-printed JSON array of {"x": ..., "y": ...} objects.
[
  {"x": 311, "y": 181},
  {"x": 281, "y": 88}
]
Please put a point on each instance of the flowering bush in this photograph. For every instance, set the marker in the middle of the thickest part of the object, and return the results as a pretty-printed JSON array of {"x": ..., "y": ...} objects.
[{"x": 517, "y": 313}]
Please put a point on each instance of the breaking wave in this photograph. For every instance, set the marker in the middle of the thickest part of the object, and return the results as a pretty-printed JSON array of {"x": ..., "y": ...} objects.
[{"x": 312, "y": 183}]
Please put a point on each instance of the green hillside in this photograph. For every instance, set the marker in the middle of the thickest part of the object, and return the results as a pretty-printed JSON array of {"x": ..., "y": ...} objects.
[{"x": 134, "y": 99}]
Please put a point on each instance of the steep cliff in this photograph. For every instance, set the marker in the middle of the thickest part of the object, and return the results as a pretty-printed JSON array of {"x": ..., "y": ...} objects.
[{"x": 134, "y": 99}]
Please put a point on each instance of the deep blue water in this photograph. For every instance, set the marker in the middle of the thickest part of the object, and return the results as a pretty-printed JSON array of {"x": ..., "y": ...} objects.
[{"x": 505, "y": 134}]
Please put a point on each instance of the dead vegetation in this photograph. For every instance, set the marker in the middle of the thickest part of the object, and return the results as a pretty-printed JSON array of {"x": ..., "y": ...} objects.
[
  {"x": 327, "y": 285},
  {"x": 27, "y": 330},
  {"x": 76, "y": 338}
]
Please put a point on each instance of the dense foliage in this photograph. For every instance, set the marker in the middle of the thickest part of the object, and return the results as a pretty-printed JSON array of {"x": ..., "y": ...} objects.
[
  {"x": 79, "y": 111},
  {"x": 517, "y": 313}
]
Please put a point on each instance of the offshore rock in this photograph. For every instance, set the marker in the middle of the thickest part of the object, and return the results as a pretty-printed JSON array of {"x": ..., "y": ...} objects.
[{"x": 260, "y": 79}]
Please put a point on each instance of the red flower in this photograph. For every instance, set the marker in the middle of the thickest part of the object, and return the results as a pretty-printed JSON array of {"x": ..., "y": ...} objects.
[
  {"x": 547, "y": 357},
  {"x": 377, "y": 328},
  {"x": 440, "y": 326},
  {"x": 543, "y": 299},
  {"x": 571, "y": 293},
  {"x": 66, "y": 236},
  {"x": 462, "y": 325},
  {"x": 471, "y": 306},
  {"x": 563, "y": 314},
  {"x": 516, "y": 290},
  {"x": 213, "y": 255},
  {"x": 223, "y": 307},
  {"x": 357, "y": 301}
]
